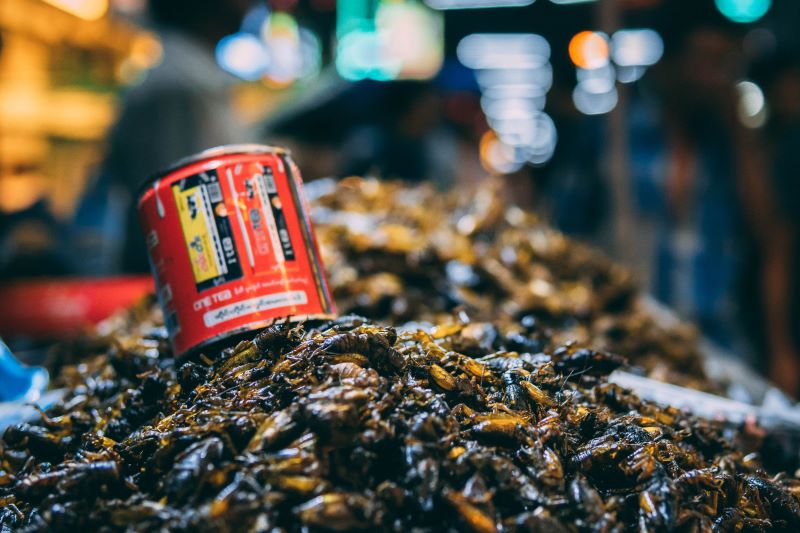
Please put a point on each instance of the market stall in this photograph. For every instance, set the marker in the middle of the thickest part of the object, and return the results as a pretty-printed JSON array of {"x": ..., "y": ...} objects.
[
  {"x": 465, "y": 384},
  {"x": 453, "y": 265}
]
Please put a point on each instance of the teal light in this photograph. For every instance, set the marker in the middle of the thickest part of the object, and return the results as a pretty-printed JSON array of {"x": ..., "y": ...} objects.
[
  {"x": 358, "y": 57},
  {"x": 358, "y": 48},
  {"x": 743, "y": 10}
]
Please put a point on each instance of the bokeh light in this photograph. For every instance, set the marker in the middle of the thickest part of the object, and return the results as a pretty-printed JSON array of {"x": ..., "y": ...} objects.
[
  {"x": 516, "y": 90},
  {"x": 597, "y": 81},
  {"x": 752, "y": 108},
  {"x": 404, "y": 40},
  {"x": 281, "y": 36},
  {"x": 630, "y": 74},
  {"x": 512, "y": 108},
  {"x": 589, "y": 50},
  {"x": 640, "y": 47},
  {"x": 503, "y": 50},
  {"x": 743, "y": 11},
  {"x": 537, "y": 141},
  {"x": 476, "y": 4},
  {"x": 85, "y": 9},
  {"x": 413, "y": 37},
  {"x": 311, "y": 54},
  {"x": 514, "y": 74},
  {"x": 496, "y": 156},
  {"x": 146, "y": 51},
  {"x": 536, "y": 79},
  {"x": 255, "y": 19},
  {"x": 243, "y": 55},
  {"x": 358, "y": 56},
  {"x": 593, "y": 103},
  {"x": 129, "y": 7}
]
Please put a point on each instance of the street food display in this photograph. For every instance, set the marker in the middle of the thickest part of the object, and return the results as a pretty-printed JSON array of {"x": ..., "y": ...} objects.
[
  {"x": 399, "y": 253},
  {"x": 463, "y": 387}
]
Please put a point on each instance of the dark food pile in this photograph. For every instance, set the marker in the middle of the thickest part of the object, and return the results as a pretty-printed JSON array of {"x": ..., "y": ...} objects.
[
  {"x": 484, "y": 418},
  {"x": 398, "y": 253},
  {"x": 356, "y": 426}
]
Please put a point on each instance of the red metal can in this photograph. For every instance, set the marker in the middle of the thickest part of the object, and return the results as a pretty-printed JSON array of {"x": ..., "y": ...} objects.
[{"x": 231, "y": 245}]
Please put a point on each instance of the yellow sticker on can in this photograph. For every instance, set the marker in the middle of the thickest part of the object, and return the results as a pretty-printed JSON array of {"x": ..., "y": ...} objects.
[{"x": 193, "y": 207}]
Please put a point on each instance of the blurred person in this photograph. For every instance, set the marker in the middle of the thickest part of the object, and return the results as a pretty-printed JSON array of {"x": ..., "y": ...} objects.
[
  {"x": 779, "y": 329},
  {"x": 685, "y": 176},
  {"x": 699, "y": 185},
  {"x": 33, "y": 244},
  {"x": 700, "y": 205},
  {"x": 571, "y": 189},
  {"x": 183, "y": 106}
]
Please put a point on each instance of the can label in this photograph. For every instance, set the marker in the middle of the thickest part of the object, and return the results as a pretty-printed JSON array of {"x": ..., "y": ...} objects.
[
  {"x": 207, "y": 230},
  {"x": 232, "y": 247}
]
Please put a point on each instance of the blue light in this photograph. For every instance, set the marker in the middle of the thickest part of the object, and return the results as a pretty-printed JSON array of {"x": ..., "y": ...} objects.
[
  {"x": 255, "y": 18},
  {"x": 743, "y": 10},
  {"x": 243, "y": 55}
]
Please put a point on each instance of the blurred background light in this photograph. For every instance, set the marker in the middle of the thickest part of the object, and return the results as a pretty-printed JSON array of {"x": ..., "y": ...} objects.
[
  {"x": 281, "y": 36},
  {"x": 496, "y": 156},
  {"x": 593, "y": 103},
  {"x": 255, "y": 19},
  {"x": 145, "y": 53},
  {"x": 630, "y": 74},
  {"x": 476, "y": 4},
  {"x": 85, "y": 9},
  {"x": 311, "y": 54},
  {"x": 743, "y": 11},
  {"x": 243, "y": 55},
  {"x": 533, "y": 136},
  {"x": 512, "y": 108},
  {"x": 400, "y": 39},
  {"x": 514, "y": 74},
  {"x": 503, "y": 50},
  {"x": 567, "y": 2},
  {"x": 589, "y": 50},
  {"x": 359, "y": 56},
  {"x": 146, "y": 50},
  {"x": 641, "y": 47},
  {"x": 516, "y": 90},
  {"x": 278, "y": 24},
  {"x": 128, "y": 7},
  {"x": 598, "y": 80},
  {"x": 752, "y": 109},
  {"x": 413, "y": 36},
  {"x": 541, "y": 77}
]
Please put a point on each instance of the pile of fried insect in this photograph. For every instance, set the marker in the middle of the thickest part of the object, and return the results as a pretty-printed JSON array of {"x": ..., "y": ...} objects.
[{"x": 485, "y": 409}]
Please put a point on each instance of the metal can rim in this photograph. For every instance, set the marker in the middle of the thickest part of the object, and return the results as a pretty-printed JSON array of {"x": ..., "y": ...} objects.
[{"x": 211, "y": 153}]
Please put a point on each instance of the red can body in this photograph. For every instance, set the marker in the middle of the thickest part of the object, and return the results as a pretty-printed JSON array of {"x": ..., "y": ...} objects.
[{"x": 231, "y": 245}]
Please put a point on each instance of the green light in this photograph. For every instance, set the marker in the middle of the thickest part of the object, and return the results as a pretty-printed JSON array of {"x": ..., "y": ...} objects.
[
  {"x": 388, "y": 39},
  {"x": 355, "y": 15},
  {"x": 743, "y": 10}
]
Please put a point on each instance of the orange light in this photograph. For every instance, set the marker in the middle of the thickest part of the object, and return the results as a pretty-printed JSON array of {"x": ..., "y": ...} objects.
[
  {"x": 496, "y": 156},
  {"x": 146, "y": 50},
  {"x": 588, "y": 50},
  {"x": 85, "y": 9}
]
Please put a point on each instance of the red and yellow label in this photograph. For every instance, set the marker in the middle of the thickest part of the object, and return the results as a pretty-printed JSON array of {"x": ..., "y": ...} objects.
[{"x": 232, "y": 248}]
